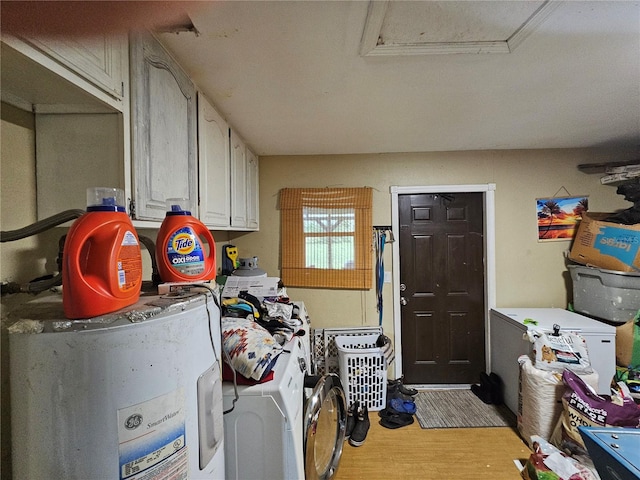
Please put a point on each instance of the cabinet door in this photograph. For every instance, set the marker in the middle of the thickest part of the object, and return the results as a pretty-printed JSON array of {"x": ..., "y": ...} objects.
[
  {"x": 238, "y": 181},
  {"x": 39, "y": 78},
  {"x": 100, "y": 59},
  {"x": 214, "y": 166},
  {"x": 163, "y": 130},
  {"x": 253, "y": 220}
]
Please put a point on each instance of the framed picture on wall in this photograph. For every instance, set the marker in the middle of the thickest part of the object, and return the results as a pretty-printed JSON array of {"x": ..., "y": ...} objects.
[{"x": 558, "y": 217}]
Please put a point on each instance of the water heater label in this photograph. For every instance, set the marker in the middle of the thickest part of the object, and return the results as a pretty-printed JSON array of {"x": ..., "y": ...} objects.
[
  {"x": 185, "y": 252},
  {"x": 151, "y": 437}
]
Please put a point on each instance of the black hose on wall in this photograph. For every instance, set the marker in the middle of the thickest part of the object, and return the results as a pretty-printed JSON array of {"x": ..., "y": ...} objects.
[
  {"x": 40, "y": 226},
  {"x": 151, "y": 248},
  {"x": 38, "y": 286}
]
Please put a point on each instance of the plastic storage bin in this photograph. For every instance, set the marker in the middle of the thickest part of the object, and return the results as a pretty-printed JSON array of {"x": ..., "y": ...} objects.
[
  {"x": 606, "y": 294},
  {"x": 363, "y": 370}
]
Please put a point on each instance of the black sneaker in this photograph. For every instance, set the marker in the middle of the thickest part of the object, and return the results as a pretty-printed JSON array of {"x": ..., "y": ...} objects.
[
  {"x": 401, "y": 387},
  {"x": 359, "y": 433},
  {"x": 352, "y": 414},
  {"x": 393, "y": 391}
]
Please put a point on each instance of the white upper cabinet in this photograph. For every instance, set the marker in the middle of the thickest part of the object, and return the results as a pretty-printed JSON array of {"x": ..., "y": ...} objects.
[
  {"x": 253, "y": 201},
  {"x": 244, "y": 185},
  {"x": 101, "y": 59},
  {"x": 63, "y": 75},
  {"x": 81, "y": 131},
  {"x": 214, "y": 166},
  {"x": 238, "y": 181},
  {"x": 120, "y": 112},
  {"x": 163, "y": 119}
]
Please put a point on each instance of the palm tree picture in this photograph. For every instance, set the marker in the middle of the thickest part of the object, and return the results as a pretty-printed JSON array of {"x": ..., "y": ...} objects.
[{"x": 558, "y": 217}]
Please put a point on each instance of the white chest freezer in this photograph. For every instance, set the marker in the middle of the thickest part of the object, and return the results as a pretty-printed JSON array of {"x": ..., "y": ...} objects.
[{"x": 508, "y": 325}]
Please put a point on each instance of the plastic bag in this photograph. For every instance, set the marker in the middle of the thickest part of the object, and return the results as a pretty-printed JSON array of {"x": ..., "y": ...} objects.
[
  {"x": 556, "y": 351},
  {"x": 548, "y": 463},
  {"x": 581, "y": 406}
]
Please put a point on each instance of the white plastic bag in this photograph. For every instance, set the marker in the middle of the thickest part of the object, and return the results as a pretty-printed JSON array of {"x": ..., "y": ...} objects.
[{"x": 556, "y": 351}]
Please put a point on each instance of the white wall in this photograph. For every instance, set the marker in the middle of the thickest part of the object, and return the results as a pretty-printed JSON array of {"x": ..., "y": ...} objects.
[
  {"x": 17, "y": 193},
  {"x": 528, "y": 273}
]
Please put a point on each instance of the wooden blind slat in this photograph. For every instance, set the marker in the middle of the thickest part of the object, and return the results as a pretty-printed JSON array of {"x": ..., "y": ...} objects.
[
  {"x": 294, "y": 198},
  {"x": 294, "y": 271}
]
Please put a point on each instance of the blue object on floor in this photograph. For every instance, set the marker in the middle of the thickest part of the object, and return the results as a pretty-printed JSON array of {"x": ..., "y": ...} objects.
[
  {"x": 615, "y": 451},
  {"x": 403, "y": 406}
]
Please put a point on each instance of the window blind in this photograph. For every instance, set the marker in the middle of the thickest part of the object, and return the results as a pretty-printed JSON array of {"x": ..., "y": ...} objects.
[{"x": 326, "y": 237}]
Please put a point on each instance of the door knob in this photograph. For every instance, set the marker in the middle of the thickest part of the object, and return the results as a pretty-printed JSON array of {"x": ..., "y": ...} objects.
[{"x": 403, "y": 301}]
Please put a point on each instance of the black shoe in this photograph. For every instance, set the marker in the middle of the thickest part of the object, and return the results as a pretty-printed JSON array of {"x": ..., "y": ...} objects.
[
  {"x": 397, "y": 383},
  {"x": 352, "y": 415},
  {"x": 402, "y": 388},
  {"x": 485, "y": 390},
  {"x": 359, "y": 433},
  {"x": 393, "y": 391},
  {"x": 495, "y": 384},
  {"x": 482, "y": 392},
  {"x": 396, "y": 421}
]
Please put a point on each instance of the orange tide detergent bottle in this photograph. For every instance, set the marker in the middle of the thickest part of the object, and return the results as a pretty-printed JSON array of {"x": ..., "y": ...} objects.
[
  {"x": 180, "y": 253},
  {"x": 102, "y": 264}
]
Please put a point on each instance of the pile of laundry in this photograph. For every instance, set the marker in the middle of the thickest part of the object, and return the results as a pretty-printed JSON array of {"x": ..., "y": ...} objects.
[{"x": 400, "y": 405}]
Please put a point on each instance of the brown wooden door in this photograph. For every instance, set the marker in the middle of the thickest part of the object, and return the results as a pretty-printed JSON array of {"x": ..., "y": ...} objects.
[{"x": 442, "y": 274}]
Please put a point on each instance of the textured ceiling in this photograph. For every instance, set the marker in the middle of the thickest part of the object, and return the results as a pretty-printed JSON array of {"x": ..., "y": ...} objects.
[{"x": 300, "y": 78}]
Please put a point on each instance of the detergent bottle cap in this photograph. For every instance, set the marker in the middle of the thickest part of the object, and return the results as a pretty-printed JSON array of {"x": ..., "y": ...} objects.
[
  {"x": 105, "y": 199},
  {"x": 178, "y": 206}
]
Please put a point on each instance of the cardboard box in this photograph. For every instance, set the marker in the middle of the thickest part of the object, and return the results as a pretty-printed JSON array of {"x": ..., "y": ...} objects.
[
  {"x": 628, "y": 344},
  {"x": 607, "y": 245}
]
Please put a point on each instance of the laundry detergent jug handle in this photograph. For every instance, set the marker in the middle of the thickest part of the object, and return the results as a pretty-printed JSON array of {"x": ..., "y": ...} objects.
[{"x": 203, "y": 232}]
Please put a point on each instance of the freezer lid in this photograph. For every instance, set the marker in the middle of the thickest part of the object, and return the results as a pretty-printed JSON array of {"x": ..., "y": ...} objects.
[{"x": 546, "y": 318}]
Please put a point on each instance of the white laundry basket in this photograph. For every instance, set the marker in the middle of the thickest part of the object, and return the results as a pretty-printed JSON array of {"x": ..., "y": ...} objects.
[
  {"x": 363, "y": 370},
  {"x": 324, "y": 350}
]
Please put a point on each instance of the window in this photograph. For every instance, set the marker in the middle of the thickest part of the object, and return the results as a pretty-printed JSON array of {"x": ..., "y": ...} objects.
[{"x": 326, "y": 237}]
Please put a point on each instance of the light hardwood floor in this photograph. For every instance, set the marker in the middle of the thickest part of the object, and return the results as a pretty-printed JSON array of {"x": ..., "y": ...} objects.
[{"x": 445, "y": 454}]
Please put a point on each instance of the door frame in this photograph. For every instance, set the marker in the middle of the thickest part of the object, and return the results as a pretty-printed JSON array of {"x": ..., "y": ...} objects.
[{"x": 489, "y": 228}]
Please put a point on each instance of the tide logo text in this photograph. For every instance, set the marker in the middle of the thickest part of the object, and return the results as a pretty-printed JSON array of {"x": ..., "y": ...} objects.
[{"x": 183, "y": 244}]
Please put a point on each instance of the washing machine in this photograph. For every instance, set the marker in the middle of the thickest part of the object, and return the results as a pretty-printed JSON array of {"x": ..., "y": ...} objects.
[{"x": 274, "y": 430}]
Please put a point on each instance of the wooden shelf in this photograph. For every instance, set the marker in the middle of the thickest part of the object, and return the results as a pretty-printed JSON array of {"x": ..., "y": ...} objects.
[{"x": 601, "y": 167}]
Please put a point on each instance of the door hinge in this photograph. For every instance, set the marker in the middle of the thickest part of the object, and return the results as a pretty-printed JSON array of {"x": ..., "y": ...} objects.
[{"x": 132, "y": 208}]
